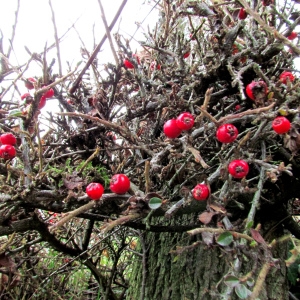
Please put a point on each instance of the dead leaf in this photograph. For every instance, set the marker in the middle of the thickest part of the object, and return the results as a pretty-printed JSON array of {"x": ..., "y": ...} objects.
[
  {"x": 206, "y": 217},
  {"x": 218, "y": 208},
  {"x": 7, "y": 262},
  {"x": 207, "y": 238},
  {"x": 73, "y": 181},
  {"x": 257, "y": 237}
]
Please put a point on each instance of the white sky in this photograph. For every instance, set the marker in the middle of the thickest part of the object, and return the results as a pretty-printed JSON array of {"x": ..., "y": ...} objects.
[{"x": 35, "y": 28}]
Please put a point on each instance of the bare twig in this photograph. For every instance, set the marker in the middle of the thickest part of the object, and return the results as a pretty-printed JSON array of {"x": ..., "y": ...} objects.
[
  {"x": 89, "y": 159},
  {"x": 73, "y": 214},
  {"x": 245, "y": 113},
  {"x": 97, "y": 49},
  {"x": 268, "y": 28},
  {"x": 262, "y": 178},
  {"x": 120, "y": 221},
  {"x": 56, "y": 39},
  {"x": 14, "y": 29},
  {"x": 107, "y": 29},
  {"x": 260, "y": 280},
  {"x": 17, "y": 78},
  {"x": 147, "y": 177}
]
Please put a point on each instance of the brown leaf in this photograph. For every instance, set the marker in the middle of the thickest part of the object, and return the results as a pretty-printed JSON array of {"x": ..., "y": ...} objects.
[
  {"x": 73, "y": 181},
  {"x": 257, "y": 237},
  {"x": 207, "y": 238},
  {"x": 7, "y": 262},
  {"x": 218, "y": 208},
  {"x": 206, "y": 217}
]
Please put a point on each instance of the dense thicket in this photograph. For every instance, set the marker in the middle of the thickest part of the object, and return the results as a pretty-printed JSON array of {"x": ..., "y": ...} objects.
[{"x": 200, "y": 58}]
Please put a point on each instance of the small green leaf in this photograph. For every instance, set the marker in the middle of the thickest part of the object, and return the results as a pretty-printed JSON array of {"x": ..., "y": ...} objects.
[
  {"x": 231, "y": 281},
  {"x": 155, "y": 203},
  {"x": 15, "y": 113},
  {"x": 249, "y": 225},
  {"x": 225, "y": 239},
  {"x": 253, "y": 244},
  {"x": 175, "y": 259},
  {"x": 250, "y": 282},
  {"x": 242, "y": 292}
]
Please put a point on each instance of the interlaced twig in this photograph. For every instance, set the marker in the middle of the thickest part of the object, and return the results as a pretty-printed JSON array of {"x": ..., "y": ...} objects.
[
  {"x": 97, "y": 49},
  {"x": 108, "y": 33},
  {"x": 268, "y": 28}
]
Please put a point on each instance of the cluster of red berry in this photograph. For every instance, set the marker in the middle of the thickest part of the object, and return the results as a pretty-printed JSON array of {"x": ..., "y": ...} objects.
[
  {"x": 237, "y": 168},
  {"x": 227, "y": 133},
  {"x": 30, "y": 85},
  {"x": 280, "y": 124},
  {"x": 174, "y": 127},
  {"x": 7, "y": 149},
  {"x": 119, "y": 184}
]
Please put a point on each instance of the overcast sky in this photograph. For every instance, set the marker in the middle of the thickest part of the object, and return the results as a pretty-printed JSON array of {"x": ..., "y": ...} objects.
[{"x": 34, "y": 26}]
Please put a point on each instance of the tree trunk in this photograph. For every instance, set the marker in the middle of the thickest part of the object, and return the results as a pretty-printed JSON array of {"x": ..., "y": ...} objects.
[{"x": 198, "y": 272}]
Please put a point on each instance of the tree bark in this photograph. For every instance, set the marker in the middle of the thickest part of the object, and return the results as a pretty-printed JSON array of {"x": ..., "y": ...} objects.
[{"x": 199, "y": 271}]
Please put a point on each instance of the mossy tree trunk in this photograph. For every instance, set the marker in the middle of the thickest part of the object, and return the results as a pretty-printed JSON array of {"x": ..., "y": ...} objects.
[{"x": 183, "y": 267}]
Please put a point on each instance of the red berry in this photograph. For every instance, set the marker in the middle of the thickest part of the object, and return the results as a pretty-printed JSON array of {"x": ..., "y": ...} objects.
[
  {"x": 42, "y": 102},
  {"x": 200, "y": 192},
  {"x": 281, "y": 125},
  {"x": 292, "y": 36},
  {"x": 8, "y": 139},
  {"x": 267, "y": 2},
  {"x": 137, "y": 58},
  {"x": 25, "y": 96},
  {"x": 128, "y": 64},
  {"x": 237, "y": 107},
  {"x": 285, "y": 75},
  {"x": 256, "y": 90},
  {"x": 49, "y": 93},
  {"x": 227, "y": 133},
  {"x": 186, "y": 55},
  {"x": 185, "y": 121},
  {"x": 154, "y": 65},
  {"x": 238, "y": 168},
  {"x": 7, "y": 151},
  {"x": 171, "y": 130},
  {"x": 94, "y": 190},
  {"x": 192, "y": 37},
  {"x": 29, "y": 83},
  {"x": 242, "y": 14},
  {"x": 119, "y": 184}
]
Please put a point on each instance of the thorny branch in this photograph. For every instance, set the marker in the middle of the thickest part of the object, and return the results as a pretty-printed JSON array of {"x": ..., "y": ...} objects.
[{"x": 119, "y": 128}]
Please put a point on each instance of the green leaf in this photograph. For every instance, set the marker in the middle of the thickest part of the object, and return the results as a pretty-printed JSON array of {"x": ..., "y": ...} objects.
[
  {"x": 249, "y": 225},
  {"x": 292, "y": 273},
  {"x": 15, "y": 113},
  {"x": 242, "y": 292},
  {"x": 231, "y": 281},
  {"x": 250, "y": 282},
  {"x": 225, "y": 239},
  {"x": 155, "y": 203},
  {"x": 175, "y": 259}
]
